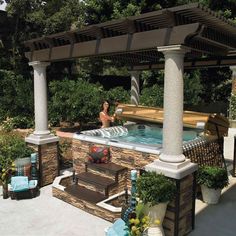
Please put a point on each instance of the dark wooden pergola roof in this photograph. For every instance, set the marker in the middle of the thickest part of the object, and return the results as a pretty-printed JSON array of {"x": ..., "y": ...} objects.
[{"x": 134, "y": 40}]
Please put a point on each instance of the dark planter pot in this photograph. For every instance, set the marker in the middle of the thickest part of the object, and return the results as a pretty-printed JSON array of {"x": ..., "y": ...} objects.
[{"x": 5, "y": 190}]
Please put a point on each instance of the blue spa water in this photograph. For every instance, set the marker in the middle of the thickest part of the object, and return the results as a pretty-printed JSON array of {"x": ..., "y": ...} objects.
[{"x": 152, "y": 135}]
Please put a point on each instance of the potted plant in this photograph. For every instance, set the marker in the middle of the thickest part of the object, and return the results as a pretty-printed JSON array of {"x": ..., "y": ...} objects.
[
  {"x": 212, "y": 180},
  {"x": 155, "y": 191}
]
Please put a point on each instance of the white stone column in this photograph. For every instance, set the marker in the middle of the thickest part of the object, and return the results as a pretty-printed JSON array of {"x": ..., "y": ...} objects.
[
  {"x": 229, "y": 140},
  {"x": 135, "y": 87},
  {"x": 171, "y": 161},
  {"x": 41, "y": 134},
  {"x": 173, "y": 104}
]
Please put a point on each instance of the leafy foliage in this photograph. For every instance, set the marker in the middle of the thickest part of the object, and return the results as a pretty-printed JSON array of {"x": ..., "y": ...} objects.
[
  {"x": 16, "y": 95},
  {"x": 155, "y": 188},
  {"x": 232, "y": 107},
  {"x": 30, "y": 19},
  {"x": 152, "y": 96},
  {"x": 12, "y": 146},
  {"x": 212, "y": 177},
  {"x": 117, "y": 94},
  {"x": 74, "y": 101},
  {"x": 192, "y": 88},
  {"x": 17, "y": 122},
  {"x": 80, "y": 100}
]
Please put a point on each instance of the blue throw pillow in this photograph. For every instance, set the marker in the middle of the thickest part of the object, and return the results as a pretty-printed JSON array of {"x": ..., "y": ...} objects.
[
  {"x": 119, "y": 228},
  {"x": 19, "y": 183}
]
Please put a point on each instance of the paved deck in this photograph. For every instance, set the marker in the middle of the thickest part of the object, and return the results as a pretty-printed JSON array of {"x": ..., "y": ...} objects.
[{"x": 49, "y": 216}]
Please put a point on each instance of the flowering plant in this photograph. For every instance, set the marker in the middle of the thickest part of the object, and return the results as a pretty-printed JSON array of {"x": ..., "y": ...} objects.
[{"x": 139, "y": 222}]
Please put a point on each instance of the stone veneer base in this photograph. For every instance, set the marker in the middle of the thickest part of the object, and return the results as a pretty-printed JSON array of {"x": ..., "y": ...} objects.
[
  {"x": 132, "y": 159},
  {"x": 58, "y": 187},
  {"x": 179, "y": 218},
  {"x": 48, "y": 163}
]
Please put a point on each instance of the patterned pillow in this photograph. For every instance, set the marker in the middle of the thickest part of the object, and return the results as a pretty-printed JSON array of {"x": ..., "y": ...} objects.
[{"x": 99, "y": 154}]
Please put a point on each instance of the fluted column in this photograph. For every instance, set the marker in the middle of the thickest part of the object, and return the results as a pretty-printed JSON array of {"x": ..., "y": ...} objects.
[{"x": 135, "y": 87}]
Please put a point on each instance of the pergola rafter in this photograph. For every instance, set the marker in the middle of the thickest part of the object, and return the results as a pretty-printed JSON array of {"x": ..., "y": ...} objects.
[{"x": 194, "y": 26}]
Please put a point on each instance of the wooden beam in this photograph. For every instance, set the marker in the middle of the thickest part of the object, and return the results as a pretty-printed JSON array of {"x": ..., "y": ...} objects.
[
  {"x": 139, "y": 41},
  {"x": 198, "y": 63}
]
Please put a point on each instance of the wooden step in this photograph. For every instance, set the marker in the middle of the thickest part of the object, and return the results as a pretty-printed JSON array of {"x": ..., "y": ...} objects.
[
  {"x": 111, "y": 170},
  {"x": 85, "y": 194},
  {"x": 98, "y": 183}
]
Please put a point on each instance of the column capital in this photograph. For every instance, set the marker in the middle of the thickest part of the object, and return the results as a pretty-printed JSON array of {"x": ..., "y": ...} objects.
[
  {"x": 180, "y": 49},
  {"x": 135, "y": 73},
  {"x": 39, "y": 64},
  {"x": 233, "y": 69}
]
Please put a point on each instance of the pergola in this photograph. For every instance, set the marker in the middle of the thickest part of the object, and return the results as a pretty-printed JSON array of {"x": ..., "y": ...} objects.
[
  {"x": 187, "y": 36},
  {"x": 134, "y": 40}
]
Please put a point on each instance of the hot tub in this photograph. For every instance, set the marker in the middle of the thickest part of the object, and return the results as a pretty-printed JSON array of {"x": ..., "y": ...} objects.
[{"x": 133, "y": 145}]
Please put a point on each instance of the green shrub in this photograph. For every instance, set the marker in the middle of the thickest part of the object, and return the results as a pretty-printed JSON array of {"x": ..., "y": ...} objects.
[
  {"x": 118, "y": 94},
  {"x": 155, "y": 188},
  {"x": 152, "y": 96},
  {"x": 232, "y": 107},
  {"x": 192, "y": 88},
  {"x": 12, "y": 146},
  {"x": 212, "y": 177},
  {"x": 74, "y": 101},
  {"x": 16, "y": 95},
  {"x": 17, "y": 122}
]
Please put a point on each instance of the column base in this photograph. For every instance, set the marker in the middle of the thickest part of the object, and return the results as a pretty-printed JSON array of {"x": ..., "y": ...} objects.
[
  {"x": 172, "y": 170},
  {"x": 41, "y": 139},
  {"x": 229, "y": 144},
  {"x": 40, "y": 133},
  {"x": 172, "y": 158}
]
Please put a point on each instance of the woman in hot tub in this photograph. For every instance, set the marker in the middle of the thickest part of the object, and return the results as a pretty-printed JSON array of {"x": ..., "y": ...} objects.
[{"x": 104, "y": 115}]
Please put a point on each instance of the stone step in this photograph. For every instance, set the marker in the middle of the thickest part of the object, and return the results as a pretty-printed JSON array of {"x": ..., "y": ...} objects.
[
  {"x": 84, "y": 194},
  {"x": 96, "y": 183},
  {"x": 108, "y": 170}
]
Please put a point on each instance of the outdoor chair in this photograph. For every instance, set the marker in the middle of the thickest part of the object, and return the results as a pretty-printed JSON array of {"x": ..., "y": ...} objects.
[{"x": 24, "y": 184}]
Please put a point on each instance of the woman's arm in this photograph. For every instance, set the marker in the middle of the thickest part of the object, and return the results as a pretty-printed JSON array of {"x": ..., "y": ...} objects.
[{"x": 105, "y": 117}]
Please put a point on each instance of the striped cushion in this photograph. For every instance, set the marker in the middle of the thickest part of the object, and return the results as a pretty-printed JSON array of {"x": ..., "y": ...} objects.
[{"x": 23, "y": 170}]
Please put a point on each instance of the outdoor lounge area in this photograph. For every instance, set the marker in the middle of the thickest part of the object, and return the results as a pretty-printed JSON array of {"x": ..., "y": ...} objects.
[{"x": 109, "y": 164}]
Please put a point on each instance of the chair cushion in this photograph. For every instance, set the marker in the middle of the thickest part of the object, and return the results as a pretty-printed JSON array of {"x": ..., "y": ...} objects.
[
  {"x": 19, "y": 183},
  {"x": 119, "y": 228},
  {"x": 33, "y": 184}
]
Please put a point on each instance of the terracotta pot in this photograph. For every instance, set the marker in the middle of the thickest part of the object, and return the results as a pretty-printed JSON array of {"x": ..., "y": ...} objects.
[{"x": 210, "y": 195}]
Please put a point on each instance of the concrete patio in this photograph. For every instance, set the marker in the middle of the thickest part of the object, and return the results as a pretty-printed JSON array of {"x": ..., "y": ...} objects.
[{"x": 48, "y": 216}]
